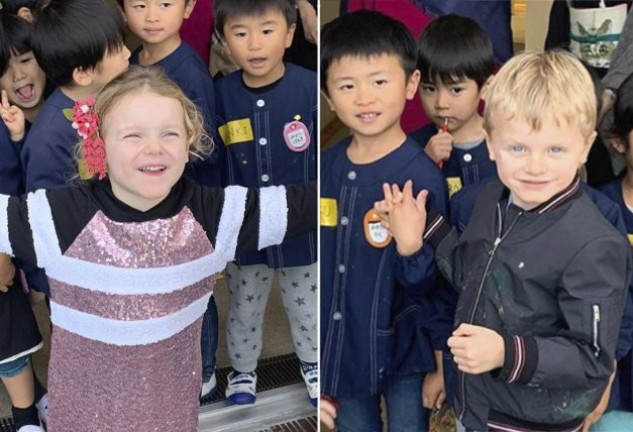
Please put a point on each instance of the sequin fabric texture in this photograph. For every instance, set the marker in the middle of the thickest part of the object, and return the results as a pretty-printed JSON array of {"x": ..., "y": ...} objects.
[{"x": 154, "y": 386}]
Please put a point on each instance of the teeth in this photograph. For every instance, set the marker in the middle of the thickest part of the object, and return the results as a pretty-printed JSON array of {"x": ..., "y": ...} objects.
[
  {"x": 367, "y": 115},
  {"x": 153, "y": 168}
]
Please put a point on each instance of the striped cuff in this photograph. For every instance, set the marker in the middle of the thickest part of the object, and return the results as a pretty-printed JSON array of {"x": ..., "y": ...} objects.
[
  {"x": 521, "y": 359},
  {"x": 436, "y": 228}
]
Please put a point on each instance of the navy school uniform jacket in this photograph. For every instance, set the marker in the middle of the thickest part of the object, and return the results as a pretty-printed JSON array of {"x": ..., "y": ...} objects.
[
  {"x": 48, "y": 160},
  {"x": 10, "y": 167},
  {"x": 254, "y": 125},
  {"x": 554, "y": 288},
  {"x": 464, "y": 167},
  {"x": 48, "y": 152},
  {"x": 622, "y": 391},
  {"x": 185, "y": 67},
  {"x": 374, "y": 302}
]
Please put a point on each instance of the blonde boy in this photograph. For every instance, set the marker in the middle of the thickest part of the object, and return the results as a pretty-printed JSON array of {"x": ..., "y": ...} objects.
[{"x": 541, "y": 273}]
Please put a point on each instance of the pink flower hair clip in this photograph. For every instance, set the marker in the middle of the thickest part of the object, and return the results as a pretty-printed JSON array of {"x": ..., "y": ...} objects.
[{"x": 86, "y": 122}]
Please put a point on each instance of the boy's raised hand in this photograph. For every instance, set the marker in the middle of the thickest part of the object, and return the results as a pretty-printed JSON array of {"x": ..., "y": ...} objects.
[
  {"x": 13, "y": 117},
  {"x": 406, "y": 216},
  {"x": 476, "y": 349},
  {"x": 439, "y": 146}
]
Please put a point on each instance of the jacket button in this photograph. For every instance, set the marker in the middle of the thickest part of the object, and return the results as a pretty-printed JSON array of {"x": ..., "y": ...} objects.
[
  {"x": 337, "y": 316},
  {"x": 468, "y": 157}
]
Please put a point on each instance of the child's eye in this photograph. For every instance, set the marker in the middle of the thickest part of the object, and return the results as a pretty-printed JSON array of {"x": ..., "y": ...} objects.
[
  {"x": 132, "y": 135},
  {"x": 25, "y": 60},
  {"x": 556, "y": 149},
  {"x": 138, "y": 6},
  {"x": 267, "y": 31},
  {"x": 346, "y": 87},
  {"x": 240, "y": 34},
  {"x": 456, "y": 90},
  {"x": 380, "y": 82},
  {"x": 165, "y": 5},
  {"x": 171, "y": 134},
  {"x": 517, "y": 149},
  {"x": 428, "y": 88}
]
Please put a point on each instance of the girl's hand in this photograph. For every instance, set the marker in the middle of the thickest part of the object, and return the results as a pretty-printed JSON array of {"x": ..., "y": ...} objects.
[{"x": 13, "y": 117}]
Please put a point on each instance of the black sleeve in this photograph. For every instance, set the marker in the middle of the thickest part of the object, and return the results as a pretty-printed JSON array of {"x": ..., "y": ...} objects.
[
  {"x": 17, "y": 230},
  {"x": 262, "y": 216}
]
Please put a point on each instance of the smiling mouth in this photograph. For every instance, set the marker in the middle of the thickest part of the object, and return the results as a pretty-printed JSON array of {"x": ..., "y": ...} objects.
[
  {"x": 368, "y": 116},
  {"x": 26, "y": 92},
  {"x": 152, "y": 169}
]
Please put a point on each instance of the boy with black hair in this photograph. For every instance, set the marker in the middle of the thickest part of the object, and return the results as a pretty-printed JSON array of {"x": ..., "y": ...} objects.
[
  {"x": 542, "y": 286},
  {"x": 157, "y": 23},
  {"x": 79, "y": 45},
  {"x": 455, "y": 59},
  {"x": 268, "y": 120},
  {"x": 374, "y": 287}
]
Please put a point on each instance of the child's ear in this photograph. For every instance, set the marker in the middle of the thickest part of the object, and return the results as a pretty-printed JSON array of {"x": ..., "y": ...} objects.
[
  {"x": 290, "y": 35},
  {"x": 588, "y": 143},
  {"x": 484, "y": 88},
  {"x": 491, "y": 153},
  {"x": 82, "y": 76},
  {"x": 618, "y": 144},
  {"x": 189, "y": 7},
  {"x": 329, "y": 102},
  {"x": 412, "y": 85},
  {"x": 25, "y": 13}
]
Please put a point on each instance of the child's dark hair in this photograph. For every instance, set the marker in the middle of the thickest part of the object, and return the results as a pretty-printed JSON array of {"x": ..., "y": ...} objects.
[
  {"x": 224, "y": 10},
  {"x": 15, "y": 38},
  {"x": 71, "y": 34},
  {"x": 623, "y": 112},
  {"x": 13, "y": 6},
  {"x": 453, "y": 47},
  {"x": 366, "y": 34}
]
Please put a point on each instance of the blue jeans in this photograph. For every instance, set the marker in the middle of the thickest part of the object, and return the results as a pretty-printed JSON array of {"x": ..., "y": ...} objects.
[
  {"x": 209, "y": 339},
  {"x": 405, "y": 413},
  {"x": 14, "y": 367}
]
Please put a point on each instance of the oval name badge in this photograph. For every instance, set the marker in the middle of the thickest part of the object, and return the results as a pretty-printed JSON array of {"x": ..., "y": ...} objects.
[
  {"x": 375, "y": 234},
  {"x": 296, "y": 136}
]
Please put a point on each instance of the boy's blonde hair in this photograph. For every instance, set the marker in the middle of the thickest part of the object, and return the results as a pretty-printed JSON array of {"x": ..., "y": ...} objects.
[
  {"x": 534, "y": 86},
  {"x": 153, "y": 79}
]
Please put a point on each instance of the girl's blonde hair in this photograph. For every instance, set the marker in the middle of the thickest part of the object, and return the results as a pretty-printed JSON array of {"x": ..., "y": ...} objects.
[
  {"x": 153, "y": 79},
  {"x": 536, "y": 86}
]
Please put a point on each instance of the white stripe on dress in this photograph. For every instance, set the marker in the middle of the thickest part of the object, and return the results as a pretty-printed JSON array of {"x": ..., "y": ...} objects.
[{"x": 126, "y": 333}]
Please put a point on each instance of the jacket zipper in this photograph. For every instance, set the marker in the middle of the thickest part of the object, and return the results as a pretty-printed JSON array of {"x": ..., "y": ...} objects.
[
  {"x": 596, "y": 321},
  {"x": 491, "y": 254}
]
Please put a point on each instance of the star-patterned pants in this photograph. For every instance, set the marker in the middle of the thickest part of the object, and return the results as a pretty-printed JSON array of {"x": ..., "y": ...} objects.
[{"x": 249, "y": 287}]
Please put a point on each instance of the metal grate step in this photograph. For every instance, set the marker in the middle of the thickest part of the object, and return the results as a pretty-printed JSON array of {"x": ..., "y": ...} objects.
[
  {"x": 6, "y": 424},
  {"x": 308, "y": 424},
  {"x": 273, "y": 372}
]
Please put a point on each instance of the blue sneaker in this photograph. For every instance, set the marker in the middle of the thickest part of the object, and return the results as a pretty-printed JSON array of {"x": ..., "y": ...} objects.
[
  {"x": 240, "y": 389},
  {"x": 310, "y": 374}
]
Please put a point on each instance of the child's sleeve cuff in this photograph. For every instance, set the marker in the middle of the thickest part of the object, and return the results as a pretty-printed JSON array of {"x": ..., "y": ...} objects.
[{"x": 521, "y": 359}]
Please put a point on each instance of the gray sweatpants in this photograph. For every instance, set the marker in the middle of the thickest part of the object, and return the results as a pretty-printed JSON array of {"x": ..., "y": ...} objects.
[{"x": 249, "y": 287}]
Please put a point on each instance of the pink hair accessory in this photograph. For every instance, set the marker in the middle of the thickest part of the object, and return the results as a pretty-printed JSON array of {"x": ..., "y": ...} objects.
[{"x": 86, "y": 122}]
